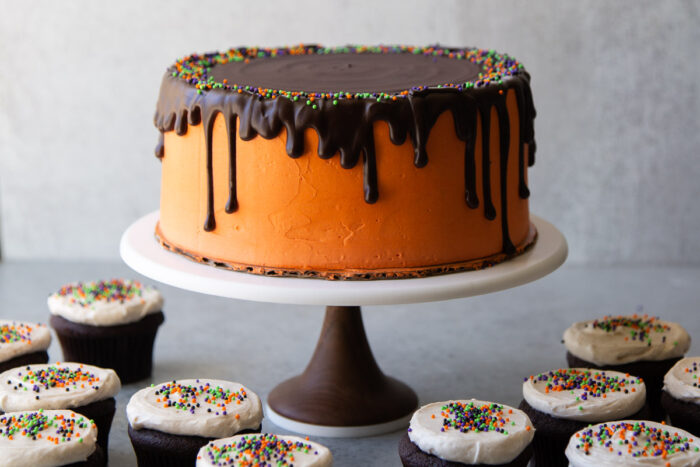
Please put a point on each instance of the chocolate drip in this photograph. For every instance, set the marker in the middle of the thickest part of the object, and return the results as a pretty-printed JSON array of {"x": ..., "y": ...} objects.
[
  {"x": 232, "y": 203},
  {"x": 485, "y": 114},
  {"x": 160, "y": 147},
  {"x": 528, "y": 115},
  {"x": 523, "y": 190},
  {"x": 504, "y": 147},
  {"x": 346, "y": 127},
  {"x": 370, "y": 170},
  {"x": 210, "y": 222}
]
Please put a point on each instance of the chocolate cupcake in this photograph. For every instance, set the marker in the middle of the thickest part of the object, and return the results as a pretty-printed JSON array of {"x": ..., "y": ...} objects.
[
  {"x": 633, "y": 442},
  {"x": 639, "y": 345},
  {"x": 85, "y": 389},
  {"x": 681, "y": 394},
  {"x": 264, "y": 449},
  {"x": 562, "y": 402},
  {"x": 48, "y": 438},
  {"x": 111, "y": 324},
  {"x": 23, "y": 343},
  {"x": 170, "y": 422},
  {"x": 467, "y": 432}
]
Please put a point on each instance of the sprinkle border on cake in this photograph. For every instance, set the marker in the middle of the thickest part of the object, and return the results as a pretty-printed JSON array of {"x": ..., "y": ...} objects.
[{"x": 194, "y": 69}]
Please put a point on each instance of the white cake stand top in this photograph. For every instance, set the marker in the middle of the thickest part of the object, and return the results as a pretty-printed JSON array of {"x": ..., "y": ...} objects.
[{"x": 140, "y": 250}]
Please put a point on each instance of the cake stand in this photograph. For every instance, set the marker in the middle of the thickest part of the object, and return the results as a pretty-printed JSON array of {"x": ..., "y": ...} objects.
[{"x": 342, "y": 392}]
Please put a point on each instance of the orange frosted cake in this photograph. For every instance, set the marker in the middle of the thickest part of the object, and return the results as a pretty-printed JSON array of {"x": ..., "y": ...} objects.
[{"x": 346, "y": 163}]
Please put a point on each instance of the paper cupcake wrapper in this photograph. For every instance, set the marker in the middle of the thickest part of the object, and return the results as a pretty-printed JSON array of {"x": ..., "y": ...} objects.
[
  {"x": 127, "y": 349},
  {"x": 683, "y": 415}
]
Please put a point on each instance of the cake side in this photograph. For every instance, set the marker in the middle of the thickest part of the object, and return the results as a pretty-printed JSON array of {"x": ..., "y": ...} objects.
[{"x": 252, "y": 183}]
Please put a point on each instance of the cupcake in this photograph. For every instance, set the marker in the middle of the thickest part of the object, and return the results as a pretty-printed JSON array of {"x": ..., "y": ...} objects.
[
  {"x": 641, "y": 346},
  {"x": 170, "y": 422},
  {"x": 111, "y": 324},
  {"x": 632, "y": 442},
  {"x": 681, "y": 394},
  {"x": 264, "y": 449},
  {"x": 467, "y": 432},
  {"x": 23, "y": 343},
  {"x": 562, "y": 402},
  {"x": 48, "y": 438},
  {"x": 85, "y": 389}
]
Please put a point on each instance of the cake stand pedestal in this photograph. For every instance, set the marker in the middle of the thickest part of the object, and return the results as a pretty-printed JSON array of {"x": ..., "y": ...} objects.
[{"x": 342, "y": 392}]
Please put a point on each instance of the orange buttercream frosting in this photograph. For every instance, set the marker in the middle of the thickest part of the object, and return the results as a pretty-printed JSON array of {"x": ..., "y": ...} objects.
[{"x": 307, "y": 214}]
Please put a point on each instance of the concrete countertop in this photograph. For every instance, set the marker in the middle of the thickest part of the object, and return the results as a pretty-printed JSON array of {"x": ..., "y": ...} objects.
[{"x": 477, "y": 347}]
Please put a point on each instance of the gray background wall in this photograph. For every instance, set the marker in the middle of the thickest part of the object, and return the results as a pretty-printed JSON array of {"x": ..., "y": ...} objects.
[{"x": 615, "y": 85}]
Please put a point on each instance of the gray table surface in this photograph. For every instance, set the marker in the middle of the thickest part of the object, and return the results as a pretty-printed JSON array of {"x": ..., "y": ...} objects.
[{"x": 477, "y": 347}]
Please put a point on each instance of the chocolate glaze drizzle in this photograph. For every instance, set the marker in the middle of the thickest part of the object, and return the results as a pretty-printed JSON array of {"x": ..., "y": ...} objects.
[{"x": 345, "y": 125}]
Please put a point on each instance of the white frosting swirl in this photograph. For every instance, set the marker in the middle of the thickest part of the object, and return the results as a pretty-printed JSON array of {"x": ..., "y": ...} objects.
[
  {"x": 195, "y": 407},
  {"x": 683, "y": 380},
  {"x": 56, "y": 386},
  {"x": 471, "y": 447},
  {"x": 612, "y": 444},
  {"x": 52, "y": 448},
  {"x": 102, "y": 308},
  {"x": 272, "y": 450},
  {"x": 20, "y": 338},
  {"x": 624, "y": 343},
  {"x": 573, "y": 394}
]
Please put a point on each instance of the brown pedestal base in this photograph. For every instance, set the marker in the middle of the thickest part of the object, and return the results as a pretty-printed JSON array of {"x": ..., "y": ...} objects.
[{"x": 342, "y": 385}]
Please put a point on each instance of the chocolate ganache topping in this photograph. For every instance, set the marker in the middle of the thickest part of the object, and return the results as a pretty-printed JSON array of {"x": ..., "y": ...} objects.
[{"x": 340, "y": 93}]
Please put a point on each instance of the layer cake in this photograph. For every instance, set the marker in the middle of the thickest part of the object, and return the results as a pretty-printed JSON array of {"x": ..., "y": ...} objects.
[{"x": 346, "y": 163}]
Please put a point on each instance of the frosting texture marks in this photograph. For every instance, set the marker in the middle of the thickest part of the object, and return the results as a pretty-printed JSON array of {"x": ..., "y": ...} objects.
[
  {"x": 633, "y": 443},
  {"x": 56, "y": 386},
  {"x": 584, "y": 394},
  {"x": 18, "y": 338},
  {"x": 196, "y": 407},
  {"x": 264, "y": 450},
  {"x": 105, "y": 303},
  {"x": 625, "y": 339},
  {"x": 471, "y": 431},
  {"x": 683, "y": 380},
  {"x": 47, "y": 438}
]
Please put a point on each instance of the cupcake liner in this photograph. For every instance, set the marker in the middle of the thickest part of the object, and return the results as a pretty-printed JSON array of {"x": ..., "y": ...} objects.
[
  {"x": 652, "y": 372},
  {"x": 684, "y": 415},
  {"x": 549, "y": 451},
  {"x": 126, "y": 348},
  {"x": 157, "y": 449},
  {"x": 412, "y": 456},
  {"x": 102, "y": 413},
  {"x": 25, "y": 359}
]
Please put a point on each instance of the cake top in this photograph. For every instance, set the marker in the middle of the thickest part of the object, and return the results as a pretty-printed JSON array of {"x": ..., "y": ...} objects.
[
  {"x": 197, "y": 407},
  {"x": 18, "y": 338},
  {"x": 105, "y": 303},
  {"x": 47, "y": 438},
  {"x": 340, "y": 73},
  {"x": 471, "y": 431},
  {"x": 682, "y": 381},
  {"x": 631, "y": 442},
  {"x": 56, "y": 386},
  {"x": 264, "y": 450},
  {"x": 616, "y": 340},
  {"x": 585, "y": 394}
]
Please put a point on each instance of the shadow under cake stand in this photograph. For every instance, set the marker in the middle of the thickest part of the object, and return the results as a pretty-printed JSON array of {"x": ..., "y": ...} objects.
[{"x": 342, "y": 392}]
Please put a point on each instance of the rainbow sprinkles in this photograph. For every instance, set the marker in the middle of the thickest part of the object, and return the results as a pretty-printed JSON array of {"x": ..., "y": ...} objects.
[{"x": 195, "y": 70}]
